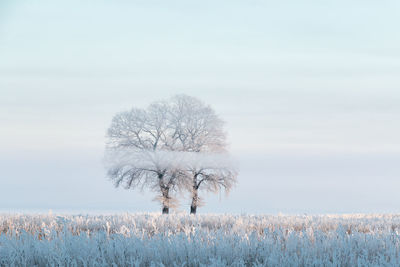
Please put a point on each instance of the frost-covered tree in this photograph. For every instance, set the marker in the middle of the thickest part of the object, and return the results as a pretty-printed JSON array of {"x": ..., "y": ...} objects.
[
  {"x": 199, "y": 132},
  {"x": 156, "y": 170},
  {"x": 167, "y": 148},
  {"x": 135, "y": 152},
  {"x": 209, "y": 172},
  {"x": 196, "y": 126}
]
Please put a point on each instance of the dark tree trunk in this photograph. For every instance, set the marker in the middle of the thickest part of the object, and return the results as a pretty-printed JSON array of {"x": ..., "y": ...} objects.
[
  {"x": 195, "y": 199},
  {"x": 165, "y": 210},
  {"x": 165, "y": 194},
  {"x": 166, "y": 204},
  {"x": 193, "y": 209}
]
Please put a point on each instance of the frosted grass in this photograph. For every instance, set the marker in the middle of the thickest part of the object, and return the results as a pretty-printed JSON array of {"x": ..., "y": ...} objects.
[{"x": 201, "y": 240}]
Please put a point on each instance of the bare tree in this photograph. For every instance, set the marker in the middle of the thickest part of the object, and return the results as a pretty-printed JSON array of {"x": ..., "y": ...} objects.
[
  {"x": 134, "y": 152},
  {"x": 167, "y": 148},
  {"x": 209, "y": 172},
  {"x": 199, "y": 131},
  {"x": 156, "y": 170},
  {"x": 197, "y": 128}
]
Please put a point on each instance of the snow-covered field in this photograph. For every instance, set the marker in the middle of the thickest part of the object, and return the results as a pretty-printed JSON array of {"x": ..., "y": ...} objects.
[{"x": 202, "y": 240}]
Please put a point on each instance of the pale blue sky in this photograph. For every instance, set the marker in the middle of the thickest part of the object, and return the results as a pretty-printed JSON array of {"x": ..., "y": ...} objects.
[{"x": 310, "y": 91}]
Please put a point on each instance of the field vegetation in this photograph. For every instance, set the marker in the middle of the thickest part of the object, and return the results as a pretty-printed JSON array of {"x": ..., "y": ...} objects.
[{"x": 200, "y": 240}]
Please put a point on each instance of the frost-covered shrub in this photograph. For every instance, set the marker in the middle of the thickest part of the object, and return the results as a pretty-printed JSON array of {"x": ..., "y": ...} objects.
[{"x": 202, "y": 240}]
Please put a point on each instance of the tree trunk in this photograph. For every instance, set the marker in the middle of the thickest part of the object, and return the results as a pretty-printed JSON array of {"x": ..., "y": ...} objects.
[
  {"x": 165, "y": 201},
  {"x": 193, "y": 209},
  {"x": 195, "y": 198},
  {"x": 165, "y": 210}
]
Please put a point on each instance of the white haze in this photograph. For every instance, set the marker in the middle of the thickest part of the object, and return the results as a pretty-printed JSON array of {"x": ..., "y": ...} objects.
[
  {"x": 309, "y": 91},
  {"x": 165, "y": 159}
]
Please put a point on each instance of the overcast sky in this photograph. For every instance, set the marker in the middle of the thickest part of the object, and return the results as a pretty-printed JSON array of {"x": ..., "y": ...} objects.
[{"x": 310, "y": 91}]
